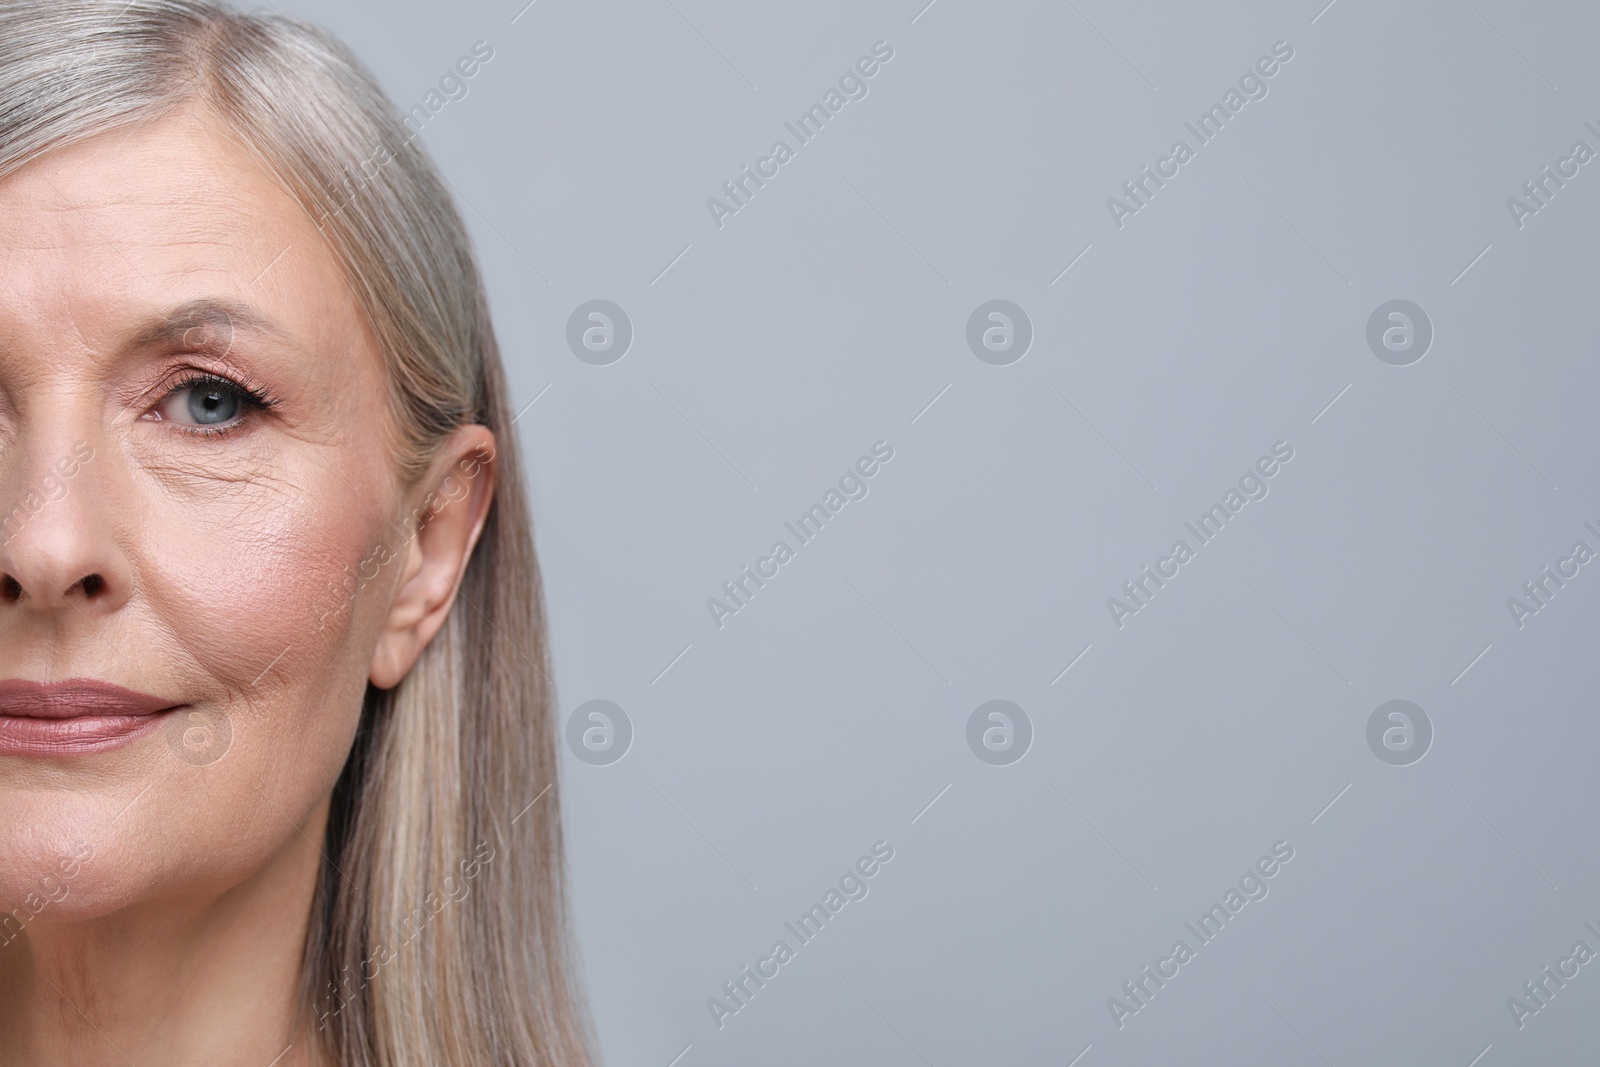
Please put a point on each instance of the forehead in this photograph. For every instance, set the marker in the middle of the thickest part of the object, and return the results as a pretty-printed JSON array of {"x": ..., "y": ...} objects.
[{"x": 154, "y": 217}]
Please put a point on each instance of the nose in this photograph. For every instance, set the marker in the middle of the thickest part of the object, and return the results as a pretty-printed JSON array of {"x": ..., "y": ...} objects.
[{"x": 58, "y": 544}]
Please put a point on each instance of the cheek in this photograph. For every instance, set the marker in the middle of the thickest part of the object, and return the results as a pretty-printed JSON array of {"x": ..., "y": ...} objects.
[
  {"x": 265, "y": 614},
  {"x": 280, "y": 616},
  {"x": 282, "y": 588}
]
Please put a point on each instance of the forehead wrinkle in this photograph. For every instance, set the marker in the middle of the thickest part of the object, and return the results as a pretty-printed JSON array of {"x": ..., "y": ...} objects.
[
  {"x": 205, "y": 229},
  {"x": 206, "y": 213}
]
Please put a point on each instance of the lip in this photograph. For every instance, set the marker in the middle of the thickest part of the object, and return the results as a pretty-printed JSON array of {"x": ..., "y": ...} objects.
[{"x": 76, "y": 716}]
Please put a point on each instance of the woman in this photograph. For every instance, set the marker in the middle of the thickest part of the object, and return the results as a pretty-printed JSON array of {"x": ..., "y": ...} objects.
[{"x": 276, "y": 758}]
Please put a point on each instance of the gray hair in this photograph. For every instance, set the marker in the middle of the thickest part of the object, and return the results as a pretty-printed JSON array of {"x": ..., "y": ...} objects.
[{"x": 442, "y": 761}]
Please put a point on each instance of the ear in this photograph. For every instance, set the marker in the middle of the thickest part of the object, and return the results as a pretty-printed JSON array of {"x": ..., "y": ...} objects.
[{"x": 446, "y": 517}]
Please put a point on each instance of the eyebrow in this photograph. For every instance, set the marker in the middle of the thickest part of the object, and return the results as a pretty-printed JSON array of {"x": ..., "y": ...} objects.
[{"x": 212, "y": 315}]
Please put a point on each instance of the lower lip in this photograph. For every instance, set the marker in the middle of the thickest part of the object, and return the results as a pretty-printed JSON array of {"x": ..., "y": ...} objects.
[{"x": 21, "y": 736}]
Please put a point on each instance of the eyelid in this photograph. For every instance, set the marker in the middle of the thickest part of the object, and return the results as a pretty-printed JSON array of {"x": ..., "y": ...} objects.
[{"x": 205, "y": 357}]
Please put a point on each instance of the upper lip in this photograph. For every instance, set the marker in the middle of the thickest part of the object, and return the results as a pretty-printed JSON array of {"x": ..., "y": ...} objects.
[{"x": 75, "y": 698}]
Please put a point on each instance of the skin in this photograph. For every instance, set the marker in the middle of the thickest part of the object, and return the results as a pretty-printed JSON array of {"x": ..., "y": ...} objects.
[{"x": 221, "y": 562}]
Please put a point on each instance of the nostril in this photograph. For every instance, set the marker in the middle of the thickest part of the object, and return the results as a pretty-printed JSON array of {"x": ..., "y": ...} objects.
[{"x": 93, "y": 586}]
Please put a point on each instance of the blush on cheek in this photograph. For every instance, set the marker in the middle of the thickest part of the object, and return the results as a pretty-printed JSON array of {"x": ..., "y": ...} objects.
[{"x": 294, "y": 590}]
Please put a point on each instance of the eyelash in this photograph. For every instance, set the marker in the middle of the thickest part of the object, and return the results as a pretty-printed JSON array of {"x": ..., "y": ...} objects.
[{"x": 254, "y": 398}]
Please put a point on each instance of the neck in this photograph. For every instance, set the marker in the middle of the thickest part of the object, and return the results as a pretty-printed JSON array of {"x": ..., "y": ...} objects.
[{"x": 214, "y": 980}]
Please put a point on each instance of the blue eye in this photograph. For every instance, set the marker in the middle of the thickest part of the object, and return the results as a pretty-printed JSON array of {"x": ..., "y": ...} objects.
[{"x": 209, "y": 403}]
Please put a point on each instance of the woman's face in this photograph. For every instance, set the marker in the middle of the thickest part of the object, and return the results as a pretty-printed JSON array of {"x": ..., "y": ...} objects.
[{"x": 197, "y": 504}]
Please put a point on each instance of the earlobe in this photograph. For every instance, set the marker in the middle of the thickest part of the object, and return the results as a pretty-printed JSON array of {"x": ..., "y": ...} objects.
[{"x": 448, "y": 512}]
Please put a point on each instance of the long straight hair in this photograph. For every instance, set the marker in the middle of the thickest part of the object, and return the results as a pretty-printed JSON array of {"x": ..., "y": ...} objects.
[{"x": 439, "y": 931}]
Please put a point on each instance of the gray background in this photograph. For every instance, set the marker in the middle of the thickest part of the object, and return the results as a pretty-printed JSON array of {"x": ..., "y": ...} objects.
[{"x": 1224, "y": 317}]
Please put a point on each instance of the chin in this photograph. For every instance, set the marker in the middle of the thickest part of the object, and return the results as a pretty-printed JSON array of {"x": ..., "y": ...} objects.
[{"x": 50, "y": 872}]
